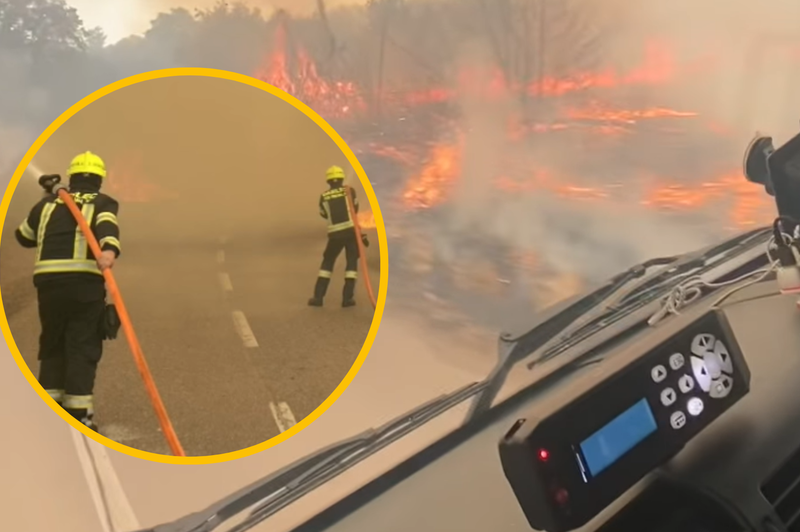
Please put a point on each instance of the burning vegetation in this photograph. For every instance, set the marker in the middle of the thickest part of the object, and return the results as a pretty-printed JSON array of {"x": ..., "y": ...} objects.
[
  {"x": 546, "y": 114},
  {"x": 434, "y": 166},
  {"x": 604, "y": 111}
]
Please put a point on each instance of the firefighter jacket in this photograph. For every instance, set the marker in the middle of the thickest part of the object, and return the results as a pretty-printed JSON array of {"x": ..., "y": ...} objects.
[
  {"x": 61, "y": 249},
  {"x": 333, "y": 207}
]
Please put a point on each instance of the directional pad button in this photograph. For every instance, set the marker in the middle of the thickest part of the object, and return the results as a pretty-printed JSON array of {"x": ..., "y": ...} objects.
[{"x": 701, "y": 374}]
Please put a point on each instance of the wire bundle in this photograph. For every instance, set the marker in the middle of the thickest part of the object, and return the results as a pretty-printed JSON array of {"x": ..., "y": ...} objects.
[{"x": 782, "y": 251}]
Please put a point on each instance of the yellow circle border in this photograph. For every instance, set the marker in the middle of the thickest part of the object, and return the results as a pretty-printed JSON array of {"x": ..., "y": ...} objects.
[{"x": 382, "y": 242}]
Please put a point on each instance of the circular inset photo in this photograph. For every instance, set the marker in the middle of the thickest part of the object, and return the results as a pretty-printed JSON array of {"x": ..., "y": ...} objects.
[{"x": 192, "y": 266}]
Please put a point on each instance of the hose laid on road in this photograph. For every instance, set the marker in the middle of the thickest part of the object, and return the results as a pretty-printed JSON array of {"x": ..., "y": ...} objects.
[
  {"x": 362, "y": 256},
  {"x": 133, "y": 342}
]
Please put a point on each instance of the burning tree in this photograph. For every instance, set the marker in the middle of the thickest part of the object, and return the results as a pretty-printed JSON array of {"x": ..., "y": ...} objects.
[
  {"x": 533, "y": 40},
  {"x": 291, "y": 67}
]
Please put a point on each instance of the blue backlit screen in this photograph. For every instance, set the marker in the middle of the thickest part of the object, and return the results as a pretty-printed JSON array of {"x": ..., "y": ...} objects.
[{"x": 622, "y": 434}]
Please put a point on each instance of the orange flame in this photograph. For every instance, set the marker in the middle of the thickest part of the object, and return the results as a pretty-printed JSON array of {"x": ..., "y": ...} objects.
[
  {"x": 406, "y": 158},
  {"x": 748, "y": 204},
  {"x": 598, "y": 112},
  {"x": 366, "y": 220},
  {"x": 331, "y": 98},
  {"x": 432, "y": 186},
  {"x": 659, "y": 66},
  {"x": 127, "y": 182}
]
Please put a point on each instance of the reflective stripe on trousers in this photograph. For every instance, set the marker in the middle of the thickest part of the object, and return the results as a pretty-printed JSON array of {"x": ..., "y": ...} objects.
[
  {"x": 78, "y": 402},
  {"x": 56, "y": 395}
]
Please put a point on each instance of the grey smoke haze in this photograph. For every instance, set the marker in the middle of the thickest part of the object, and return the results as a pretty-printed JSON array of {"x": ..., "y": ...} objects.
[
  {"x": 429, "y": 41},
  {"x": 595, "y": 239}
]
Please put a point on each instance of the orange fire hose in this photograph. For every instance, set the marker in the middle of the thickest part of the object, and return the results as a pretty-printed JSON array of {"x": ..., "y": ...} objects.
[
  {"x": 127, "y": 326},
  {"x": 362, "y": 256}
]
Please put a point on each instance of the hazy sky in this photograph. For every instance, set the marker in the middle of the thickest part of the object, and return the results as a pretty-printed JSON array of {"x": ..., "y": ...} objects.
[{"x": 120, "y": 18}]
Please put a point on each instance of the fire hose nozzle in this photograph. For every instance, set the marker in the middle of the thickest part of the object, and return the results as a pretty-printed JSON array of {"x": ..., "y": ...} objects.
[{"x": 49, "y": 182}]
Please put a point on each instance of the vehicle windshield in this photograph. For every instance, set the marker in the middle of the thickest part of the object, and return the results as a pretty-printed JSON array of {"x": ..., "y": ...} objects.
[
  {"x": 545, "y": 340},
  {"x": 524, "y": 157}
]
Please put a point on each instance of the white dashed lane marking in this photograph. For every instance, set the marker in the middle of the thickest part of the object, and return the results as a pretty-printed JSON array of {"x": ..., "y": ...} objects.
[
  {"x": 283, "y": 416},
  {"x": 113, "y": 507},
  {"x": 225, "y": 281},
  {"x": 281, "y": 412},
  {"x": 244, "y": 330}
]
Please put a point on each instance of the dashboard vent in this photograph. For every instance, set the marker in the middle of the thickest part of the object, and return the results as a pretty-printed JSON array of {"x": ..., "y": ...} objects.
[{"x": 782, "y": 490}]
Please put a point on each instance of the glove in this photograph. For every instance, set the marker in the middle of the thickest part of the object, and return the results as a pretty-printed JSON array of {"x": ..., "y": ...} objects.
[
  {"x": 110, "y": 323},
  {"x": 365, "y": 240}
]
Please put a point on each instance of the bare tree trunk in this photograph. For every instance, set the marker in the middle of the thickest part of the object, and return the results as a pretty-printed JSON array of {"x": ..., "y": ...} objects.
[
  {"x": 526, "y": 59},
  {"x": 324, "y": 17},
  {"x": 381, "y": 57},
  {"x": 494, "y": 40},
  {"x": 541, "y": 55}
]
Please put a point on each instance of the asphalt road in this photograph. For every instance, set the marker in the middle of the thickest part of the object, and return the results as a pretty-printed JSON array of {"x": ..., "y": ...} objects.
[
  {"x": 234, "y": 350},
  {"x": 411, "y": 363}
]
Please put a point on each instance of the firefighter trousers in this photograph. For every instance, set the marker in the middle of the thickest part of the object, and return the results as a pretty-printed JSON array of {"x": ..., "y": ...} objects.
[
  {"x": 336, "y": 244},
  {"x": 71, "y": 344}
]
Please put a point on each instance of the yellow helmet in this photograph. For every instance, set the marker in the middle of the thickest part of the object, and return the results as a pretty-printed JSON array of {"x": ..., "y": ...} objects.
[
  {"x": 87, "y": 163},
  {"x": 334, "y": 173}
]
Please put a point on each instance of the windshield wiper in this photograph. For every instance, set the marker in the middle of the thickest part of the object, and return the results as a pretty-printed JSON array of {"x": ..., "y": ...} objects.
[
  {"x": 513, "y": 349},
  {"x": 593, "y": 312},
  {"x": 269, "y": 495},
  {"x": 648, "y": 290},
  {"x": 274, "y": 492}
]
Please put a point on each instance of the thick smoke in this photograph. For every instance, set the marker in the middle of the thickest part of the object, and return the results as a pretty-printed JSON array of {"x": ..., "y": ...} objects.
[
  {"x": 426, "y": 42},
  {"x": 596, "y": 239},
  {"x": 755, "y": 47}
]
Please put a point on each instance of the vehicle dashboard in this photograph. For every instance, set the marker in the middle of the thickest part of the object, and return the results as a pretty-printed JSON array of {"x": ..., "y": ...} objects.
[{"x": 739, "y": 473}]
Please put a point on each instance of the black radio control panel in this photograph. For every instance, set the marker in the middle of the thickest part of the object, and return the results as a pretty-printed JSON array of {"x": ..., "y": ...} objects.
[{"x": 568, "y": 462}]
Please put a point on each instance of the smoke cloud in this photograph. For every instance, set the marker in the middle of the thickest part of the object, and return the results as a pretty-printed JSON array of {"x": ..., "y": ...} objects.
[{"x": 596, "y": 239}]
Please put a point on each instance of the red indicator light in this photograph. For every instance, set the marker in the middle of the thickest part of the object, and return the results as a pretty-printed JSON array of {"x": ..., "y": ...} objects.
[
  {"x": 562, "y": 497},
  {"x": 543, "y": 455}
]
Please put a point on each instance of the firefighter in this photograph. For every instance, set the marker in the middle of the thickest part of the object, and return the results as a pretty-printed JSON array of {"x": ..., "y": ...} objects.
[
  {"x": 333, "y": 206},
  {"x": 70, "y": 285}
]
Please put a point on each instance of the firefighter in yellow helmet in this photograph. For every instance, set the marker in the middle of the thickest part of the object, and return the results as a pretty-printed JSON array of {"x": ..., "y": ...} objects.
[
  {"x": 333, "y": 206},
  {"x": 70, "y": 285}
]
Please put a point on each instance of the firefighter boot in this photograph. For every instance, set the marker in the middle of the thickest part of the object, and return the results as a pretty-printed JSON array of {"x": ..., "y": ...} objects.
[
  {"x": 348, "y": 293},
  {"x": 320, "y": 290},
  {"x": 84, "y": 415}
]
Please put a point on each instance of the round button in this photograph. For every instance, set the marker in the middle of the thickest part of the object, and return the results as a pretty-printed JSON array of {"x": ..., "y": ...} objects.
[
  {"x": 658, "y": 373},
  {"x": 686, "y": 383},
  {"x": 694, "y": 406},
  {"x": 676, "y": 361},
  {"x": 668, "y": 396},
  {"x": 677, "y": 420}
]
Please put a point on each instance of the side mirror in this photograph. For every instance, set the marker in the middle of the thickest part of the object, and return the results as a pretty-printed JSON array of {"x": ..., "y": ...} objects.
[{"x": 756, "y": 162}]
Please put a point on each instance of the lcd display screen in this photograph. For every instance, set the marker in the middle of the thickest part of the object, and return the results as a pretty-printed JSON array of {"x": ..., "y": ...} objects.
[{"x": 622, "y": 434}]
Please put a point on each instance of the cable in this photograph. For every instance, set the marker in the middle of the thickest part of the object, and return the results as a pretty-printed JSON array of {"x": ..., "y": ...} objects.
[
  {"x": 133, "y": 342},
  {"x": 361, "y": 254},
  {"x": 782, "y": 253},
  {"x": 690, "y": 290}
]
